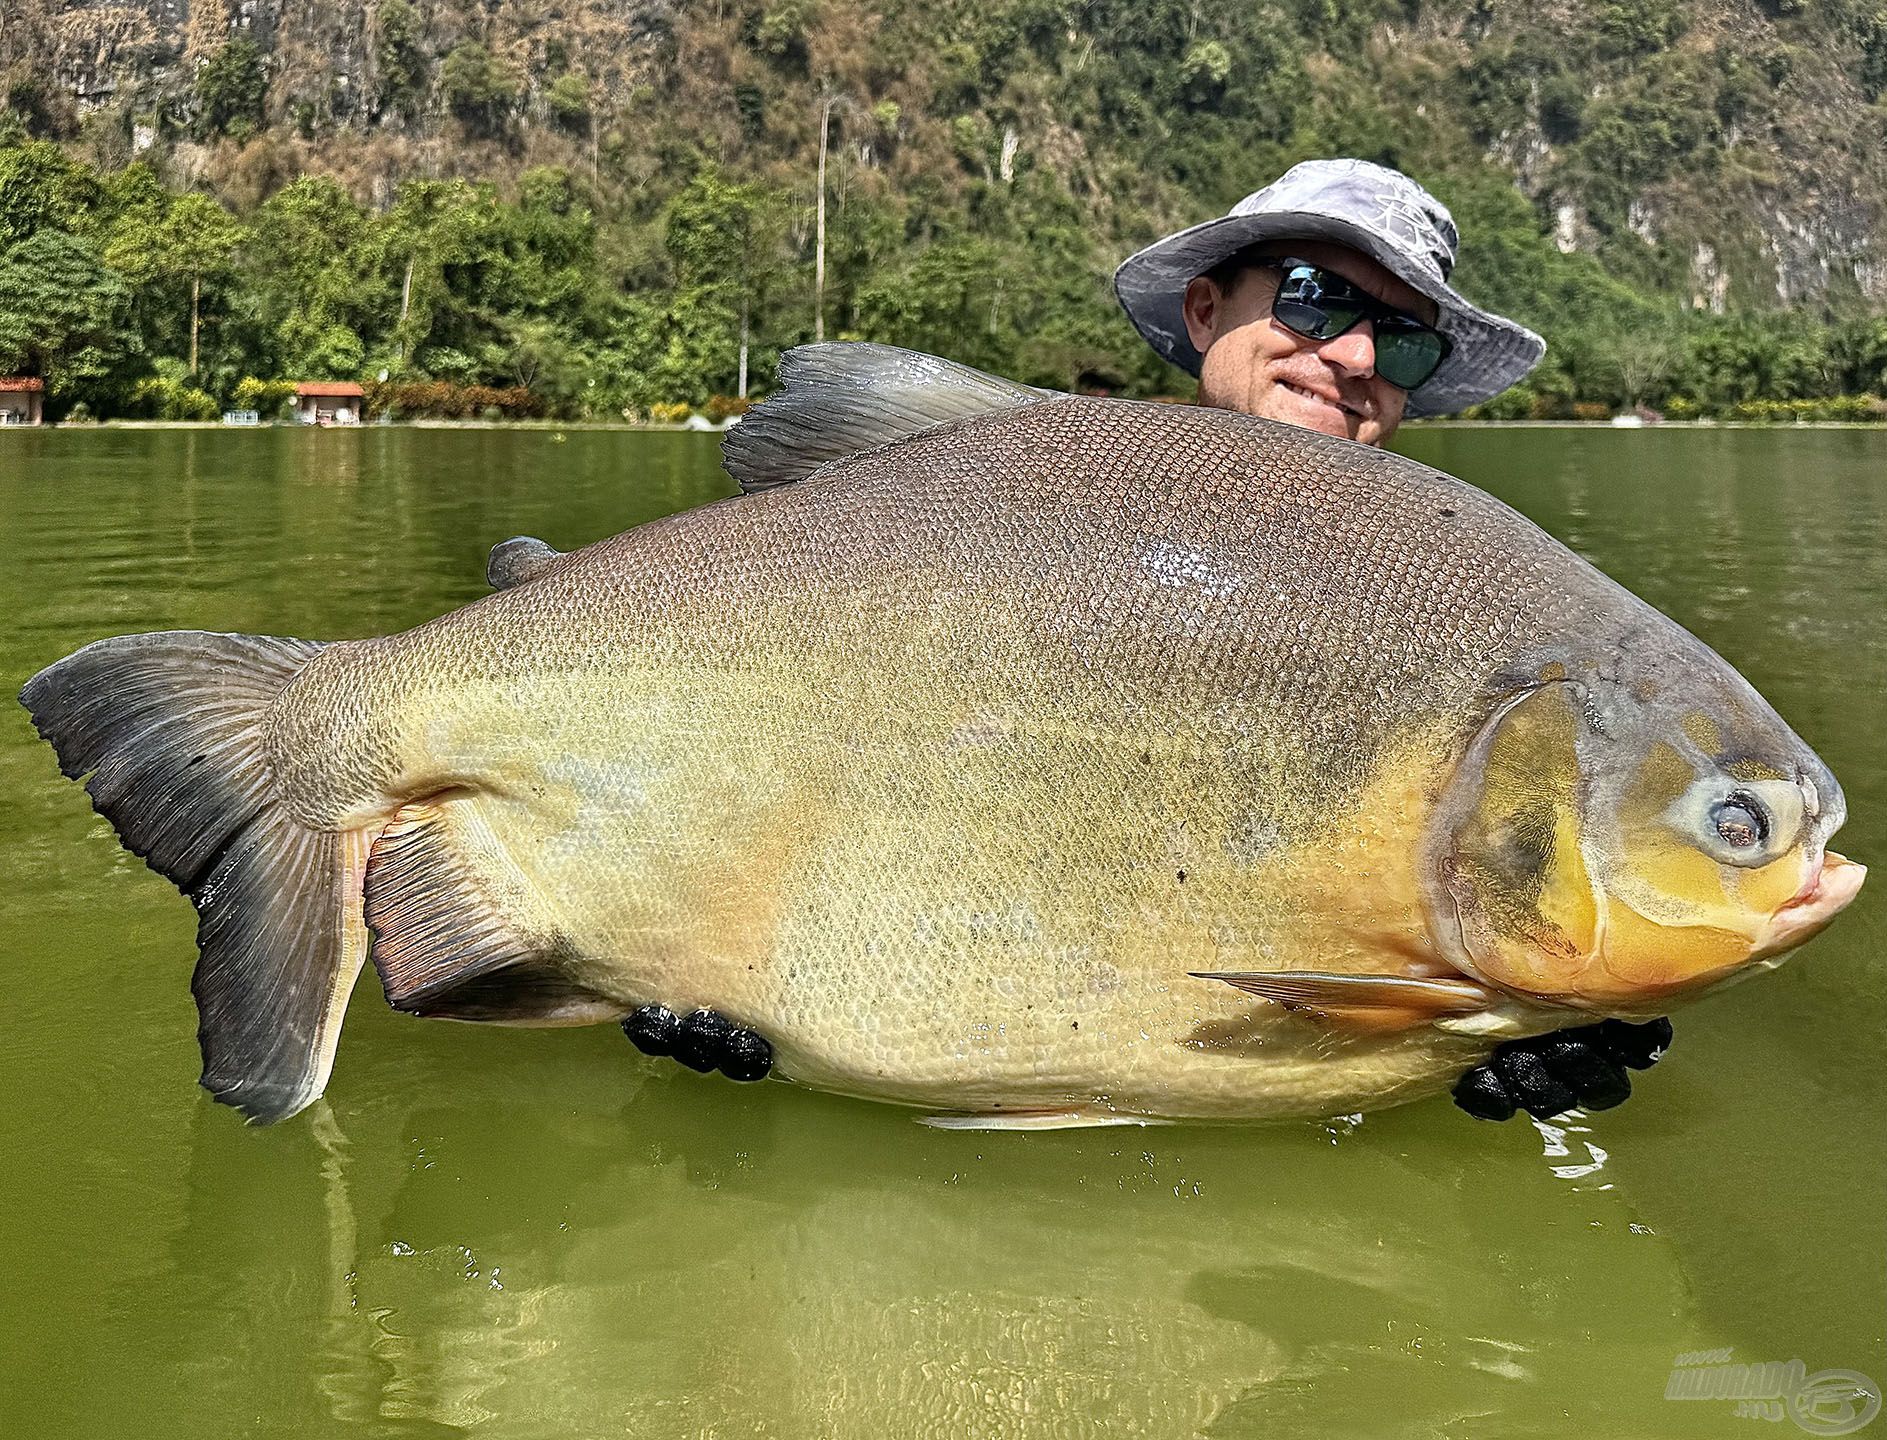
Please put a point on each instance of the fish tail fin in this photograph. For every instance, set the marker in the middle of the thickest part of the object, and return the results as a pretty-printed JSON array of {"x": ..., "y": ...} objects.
[{"x": 170, "y": 728}]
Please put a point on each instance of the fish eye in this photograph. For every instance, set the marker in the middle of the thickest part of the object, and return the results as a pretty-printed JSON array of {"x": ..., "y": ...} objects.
[
  {"x": 1740, "y": 821},
  {"x": 1745, "y": 823}
]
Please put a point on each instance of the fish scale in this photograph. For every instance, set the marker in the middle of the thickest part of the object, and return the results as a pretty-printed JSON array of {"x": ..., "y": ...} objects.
[{"x": 952, "y": 766}]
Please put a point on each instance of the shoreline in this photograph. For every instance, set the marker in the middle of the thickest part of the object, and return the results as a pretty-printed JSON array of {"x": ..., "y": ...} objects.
[
  {"x": 1453, "y": 424},
  {"x": 642, "y": 425},
  {"x": 650, "y": 426}
]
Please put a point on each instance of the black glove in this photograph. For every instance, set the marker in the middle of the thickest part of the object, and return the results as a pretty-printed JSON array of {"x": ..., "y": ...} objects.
[
  {"x": 706, "y": 1040},
  {"x": 1548, "y": 1074}
]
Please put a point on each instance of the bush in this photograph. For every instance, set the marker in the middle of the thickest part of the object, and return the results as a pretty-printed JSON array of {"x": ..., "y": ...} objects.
[
  {"x": 724, "y": 407},
  {"x": 478, "y": 86},
  {"x": 1203, "y": 71},
  {"x": 670, "y": 414},
  {"x": 568, "y": 99},
  {"x": 1511, "y": 404},
  {"x": 1562, "y": 109},
  {"x": 1640, "y": 26},
  {"x": 268, "y": 398},
  {"x": 1591, "y": 410},
  {"x": 158, "y": 397},
  {"x": 1834, "y": 409},
  {"x": 783, "y": 27}
]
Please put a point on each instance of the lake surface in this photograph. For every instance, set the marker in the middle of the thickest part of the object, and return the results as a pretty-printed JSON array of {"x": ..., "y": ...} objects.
[{"x": 525, "y": 1233}]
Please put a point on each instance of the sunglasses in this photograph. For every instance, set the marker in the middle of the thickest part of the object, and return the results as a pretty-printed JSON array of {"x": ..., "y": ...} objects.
[{"x": 1319, "y": 305}]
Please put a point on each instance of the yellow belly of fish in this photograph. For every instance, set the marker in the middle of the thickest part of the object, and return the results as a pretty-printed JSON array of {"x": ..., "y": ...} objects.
[{"x": 953, "y": 908}]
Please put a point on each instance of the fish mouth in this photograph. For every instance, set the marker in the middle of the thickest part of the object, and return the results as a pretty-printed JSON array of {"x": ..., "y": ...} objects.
[{"x": 1827, "y": 893}]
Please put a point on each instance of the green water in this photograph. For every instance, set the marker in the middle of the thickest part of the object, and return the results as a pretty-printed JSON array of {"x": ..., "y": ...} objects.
[{"x": 524, "y": 1233}]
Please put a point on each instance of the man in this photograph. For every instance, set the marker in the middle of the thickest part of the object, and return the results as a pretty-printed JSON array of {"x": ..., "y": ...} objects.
[
  {"x": 1323, "y": 301},
  {"x": 1369, "y": 305}
]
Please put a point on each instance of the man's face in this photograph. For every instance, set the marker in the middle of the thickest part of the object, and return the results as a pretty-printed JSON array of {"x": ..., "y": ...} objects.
[{"x": 1254, "y": 364}]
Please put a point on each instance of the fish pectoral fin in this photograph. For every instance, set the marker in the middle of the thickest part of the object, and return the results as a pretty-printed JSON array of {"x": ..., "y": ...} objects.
[
  {"x": 1077, "y": 1119},
  {"x": 444, "y": 948},
  {"x": 1364, "y": 1002},
  {"x": 521, "y": 558}
]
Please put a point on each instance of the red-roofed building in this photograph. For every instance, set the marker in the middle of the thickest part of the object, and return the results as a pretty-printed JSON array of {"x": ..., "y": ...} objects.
[
  {"x": 22, "y": 398},
  {"x": 328, "y": 402}
]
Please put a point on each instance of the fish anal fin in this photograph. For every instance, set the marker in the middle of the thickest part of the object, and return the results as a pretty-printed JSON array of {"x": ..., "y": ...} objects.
[
  {"x": 1078, "y": 1118},
  {"x": 1361, "y": 1002},
  {"x": 1381, "y": 1020},
  {"x": 442, "y": 946}
]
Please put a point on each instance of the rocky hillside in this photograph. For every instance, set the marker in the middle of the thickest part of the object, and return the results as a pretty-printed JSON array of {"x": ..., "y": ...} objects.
[
  {"x": 1716, "y": 156},
  {"x": 1742, "y": 142}
]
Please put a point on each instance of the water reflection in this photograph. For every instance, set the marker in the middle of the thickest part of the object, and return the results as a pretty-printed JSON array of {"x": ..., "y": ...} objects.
[
  {"x": 696, "y": 1258},
  {"x": 539, "y": 1233}
]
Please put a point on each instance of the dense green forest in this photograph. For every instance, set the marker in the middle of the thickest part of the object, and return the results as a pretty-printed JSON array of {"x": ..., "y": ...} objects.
[{"x": 600, "y": 208}]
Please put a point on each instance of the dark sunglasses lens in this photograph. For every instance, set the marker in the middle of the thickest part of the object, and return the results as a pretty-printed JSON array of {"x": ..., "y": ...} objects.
[
  {"x": 1314, "y": 317},
  {"x": 1315, "y": 303},
  {"x": 1406, "y": 358}
]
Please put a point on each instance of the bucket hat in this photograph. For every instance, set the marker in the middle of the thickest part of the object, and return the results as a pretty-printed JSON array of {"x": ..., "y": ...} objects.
[{"x": 1370, "y": 208}]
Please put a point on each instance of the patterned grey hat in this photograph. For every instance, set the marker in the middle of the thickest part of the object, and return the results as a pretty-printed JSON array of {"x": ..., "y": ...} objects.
[{"x": 1371, "y": 208}]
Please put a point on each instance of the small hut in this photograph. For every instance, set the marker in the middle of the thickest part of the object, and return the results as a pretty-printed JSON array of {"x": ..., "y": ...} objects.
[
  {"x": 328, "y": 402},
  {"x": 22, "y": 400}
]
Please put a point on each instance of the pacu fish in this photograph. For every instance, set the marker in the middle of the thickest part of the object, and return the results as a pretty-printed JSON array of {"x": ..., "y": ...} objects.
[{"x": 1034, "y": 759}]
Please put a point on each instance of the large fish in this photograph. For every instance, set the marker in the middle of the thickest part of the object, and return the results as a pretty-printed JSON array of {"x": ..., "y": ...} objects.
[{"x": 1030, "y": 758}]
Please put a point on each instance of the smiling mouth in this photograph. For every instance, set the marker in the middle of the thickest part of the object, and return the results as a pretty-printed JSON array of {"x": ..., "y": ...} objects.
[{"x": 1334, "y": 402}]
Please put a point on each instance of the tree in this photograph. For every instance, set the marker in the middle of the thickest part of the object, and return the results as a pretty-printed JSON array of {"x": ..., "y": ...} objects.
[
  {"x": 44, "y": 107},
  {"x": 1645, "y": 358},
  {"x": 399, "y": 57},
  {"x": 312, "y": 284},
  {"x": 194, "y": 238},
  {"x": 232, "y": 91},
  {"x": 568, "y": 99},
  {"x": 828, "y": 102},
  {"x": 1859, "y": 350},
  {"x": 434, "y": 226},
  {"x": 948, "y": 301},
  {"x": 724, "y": 240},
  {"x": 64, "y": 315},
  {"x": 540, "y": 357},
  {"x": 783, "y": 26},
  {"x": 41, "y": 189},
  {"x": 660, "y": 279}
]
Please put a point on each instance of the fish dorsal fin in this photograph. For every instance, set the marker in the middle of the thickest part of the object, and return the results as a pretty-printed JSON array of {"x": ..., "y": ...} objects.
[{"x": 845, "y": 397}]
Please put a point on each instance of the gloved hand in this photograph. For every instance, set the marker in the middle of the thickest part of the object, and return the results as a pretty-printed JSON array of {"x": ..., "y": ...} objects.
[
  {"x": 704, "y": 1040},
  {"x": 1548, "y": 1074}
]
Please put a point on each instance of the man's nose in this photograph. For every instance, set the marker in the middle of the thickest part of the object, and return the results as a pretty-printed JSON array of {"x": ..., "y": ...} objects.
[{"x": 1353, "y": 352}]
